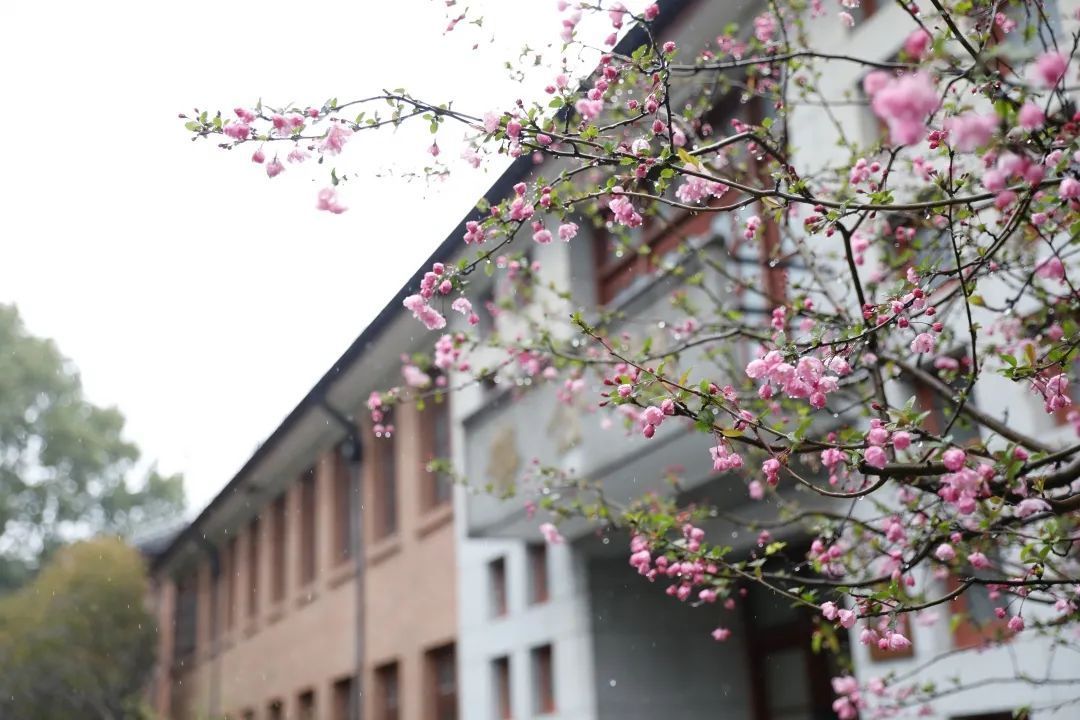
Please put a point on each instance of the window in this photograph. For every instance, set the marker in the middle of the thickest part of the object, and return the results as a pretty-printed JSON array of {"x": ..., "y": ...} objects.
[
  {"x": 308, "y": 554},
  {"x": 538, "y": 573},
  {"x": 386, "y": 519},
  {"x": 543, "y": 680},
  {"x": 387, "y": 692},
  {"x": 441, "y": 683},
  {"x": 497, "y": 579},
  {"x": 186, "y": 612},
  {"x": 787, "y": 679},
  {"x": 275, "y": 710},
  {"x": 976, "y": 622},
  {"x": 343, "y": 699},
  {"x": 305, "y": 706},
  {"x": 231, "y": 569},
  {"x": 500, "y": 670},
  {"x": 619, "y": 264},
  {"x": 344, "y": 528},
  {"x": 435, "y": 423},
  {"x": 864, "y": 11},
  {"x": 253, "y": 567},
  {"x": 278, "y": 517}
]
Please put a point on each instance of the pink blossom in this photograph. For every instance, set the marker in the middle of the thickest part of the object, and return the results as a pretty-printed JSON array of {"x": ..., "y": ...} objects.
[
  {"x": 721, "y": 634},
  {"x": 917, "y": 43},
  {"x": 875, "y": 456},
  {"x": 542, "y": 236},
  {"x": 904, "y": 104},
  {"x": 847, "y": 618},
  {"x": 970, "y": 131},
  {"x": 429, "y": 316},
  {"x": 954, "y": 459},
  {"x": 415, "y": 377},
  {"x": 756, "y": 490},
  {"x": 1049, "y": 68},
  {"x": 829, "y": 610},
  {"x": 1031, "y": 116},
  {"x": 1016, "y": 623},
  {"x": 945, "y": 552},
  {"x": 551, "y": 534},
  {"x": 474, "y": 232},
  {"x": 875, "y": 81},
  {"x": 1070, "y": 189},
  {"x": 335, "y": 138},
  {"x": 765, "y": 27},
  {"x": 978, "y": 560},
  {"x": 237, "y": 131},
  {"x": 589, "y": 109},
  {"x": 274, "y": 168},
  {"x": 568, "y": 231},
  {"x": 296, "y": 155},
  {"x": 462, "y": 305},
  {"x": 328, "y": 201},
  {"x": 901, "y": 440},
  {"x": 846, "y": 19},
  {"x": 492, "y": 120},
  {"x": 898, "y": 642},
  {"x": 695, "y": 189},
  {"x": 258, "y": 156},
  {"x": 1030, "y": 506},
  {"x": 923, "y": 343}
]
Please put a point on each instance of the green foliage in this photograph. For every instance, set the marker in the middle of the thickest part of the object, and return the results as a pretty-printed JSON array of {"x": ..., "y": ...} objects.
[
  {"x": 78, "y": 642},
  {"x": 63, "y": 461}
]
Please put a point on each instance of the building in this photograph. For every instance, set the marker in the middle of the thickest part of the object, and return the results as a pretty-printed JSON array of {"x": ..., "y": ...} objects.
[{"x": 335, "y": 574}]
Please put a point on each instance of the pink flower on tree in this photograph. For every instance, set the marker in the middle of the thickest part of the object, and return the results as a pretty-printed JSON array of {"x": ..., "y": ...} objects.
[
  {"x": 1031, "y": 116},
  {"x": 1049, "y": 68},
  {"x": 551, "y": 534},
  {"x": 335, "y": 138},
  {"x": 923, "y": 343},
  {"x": 903, "y": 104},
  {"x": 917, "y": 43},
  {"x": 970, "y": 131}
]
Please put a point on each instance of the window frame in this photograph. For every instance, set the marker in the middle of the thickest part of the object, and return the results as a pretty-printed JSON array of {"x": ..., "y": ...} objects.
[
  {"x": 497, "y": 587},
  {"x": 435, "y": 421},
  {"x": 441, "y": 704},
  {"x": 309, "y": 536},
  {"x": 387, "y": 677},
  {"x": 501, "y": 683},
  {"x": 542, "y": 658},
  {"x": 344, "y": 488},
  {"x": 385, "y": 501},
  {"x": 279, "y": 513},
  {"x": 539, "y": 573}
]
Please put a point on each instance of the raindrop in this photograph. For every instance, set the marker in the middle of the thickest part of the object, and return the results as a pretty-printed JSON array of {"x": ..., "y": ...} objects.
[{"x": 612, "y": 682}]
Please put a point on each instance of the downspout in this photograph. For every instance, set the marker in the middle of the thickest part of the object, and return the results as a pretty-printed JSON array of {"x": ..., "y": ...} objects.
[
  {"x": 214, "y": 701},
  {"x": 354, "y": 454}
]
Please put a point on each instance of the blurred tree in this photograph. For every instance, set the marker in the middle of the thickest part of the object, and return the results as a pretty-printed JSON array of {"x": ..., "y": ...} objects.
[
  {"x": 78, "y": 641},
  {"x": 63, "y": 460}
]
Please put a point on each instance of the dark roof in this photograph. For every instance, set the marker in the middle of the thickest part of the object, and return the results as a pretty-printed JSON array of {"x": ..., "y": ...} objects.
[{"x": 503, "y": 187}]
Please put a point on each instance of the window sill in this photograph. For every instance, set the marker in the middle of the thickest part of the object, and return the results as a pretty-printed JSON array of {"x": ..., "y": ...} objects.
[
  {"x": 434, "y": 518},
  {"x": 382, "y": 549},
  {"x": 343, "y": 573},
  {"x": 277, "y": 611},
  {"x": 307, "y": 595}
]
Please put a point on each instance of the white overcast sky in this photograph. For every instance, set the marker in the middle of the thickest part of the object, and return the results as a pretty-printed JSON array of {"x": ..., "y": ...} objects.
[{"x": 192, "y": 292}]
